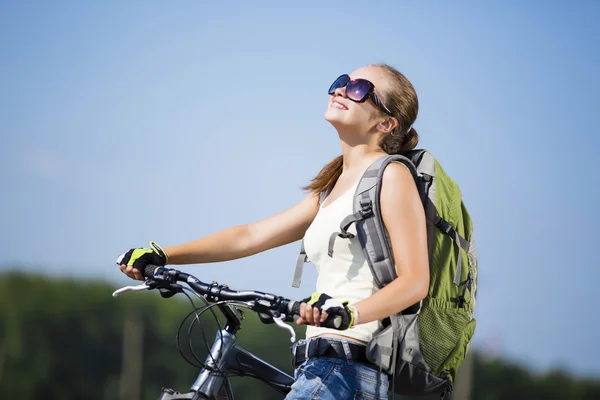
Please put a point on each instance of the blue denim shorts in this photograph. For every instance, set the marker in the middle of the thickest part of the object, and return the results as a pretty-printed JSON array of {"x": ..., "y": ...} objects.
[{"x": 337, "y": 379}]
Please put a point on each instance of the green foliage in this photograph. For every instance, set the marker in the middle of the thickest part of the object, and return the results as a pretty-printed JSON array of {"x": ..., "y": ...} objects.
[
  {"x": 498, "y": 380},
  {"x": 63, "y": 340}
]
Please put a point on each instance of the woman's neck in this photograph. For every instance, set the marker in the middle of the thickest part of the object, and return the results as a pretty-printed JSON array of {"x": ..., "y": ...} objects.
[{"x": 358, "y": 157}]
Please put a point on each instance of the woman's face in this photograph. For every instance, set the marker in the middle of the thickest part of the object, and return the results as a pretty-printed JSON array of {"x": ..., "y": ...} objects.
[{"x": 346, "y": 114}]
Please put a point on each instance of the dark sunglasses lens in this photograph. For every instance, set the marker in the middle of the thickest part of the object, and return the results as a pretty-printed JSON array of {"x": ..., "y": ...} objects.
[
  {"x": 358, "y": 90},
  {"x": 339, "y": 83}
]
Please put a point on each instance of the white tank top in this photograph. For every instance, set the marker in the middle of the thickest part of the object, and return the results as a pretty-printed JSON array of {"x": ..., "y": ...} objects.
[{"x": 346, "y": 275}]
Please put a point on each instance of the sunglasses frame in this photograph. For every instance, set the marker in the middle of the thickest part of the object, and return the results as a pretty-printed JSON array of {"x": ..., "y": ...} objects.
[{"x": 370, "y": 94}]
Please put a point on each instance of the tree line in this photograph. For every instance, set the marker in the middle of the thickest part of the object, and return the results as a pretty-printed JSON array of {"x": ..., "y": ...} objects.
[{"x": 64, "y": 339}]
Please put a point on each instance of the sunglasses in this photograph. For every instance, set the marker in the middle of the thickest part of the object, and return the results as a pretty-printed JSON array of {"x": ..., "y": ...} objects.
[{"x": 358, "y": 90}]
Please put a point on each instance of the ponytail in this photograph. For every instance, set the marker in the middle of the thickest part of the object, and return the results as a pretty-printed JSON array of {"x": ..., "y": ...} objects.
[
  {"x": 400, "y": 141},
  {"x": 327, "y": 176}
]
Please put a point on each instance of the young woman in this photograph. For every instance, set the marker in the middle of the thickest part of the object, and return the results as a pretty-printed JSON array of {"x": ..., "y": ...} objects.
[{"x": 372, "y": 110}]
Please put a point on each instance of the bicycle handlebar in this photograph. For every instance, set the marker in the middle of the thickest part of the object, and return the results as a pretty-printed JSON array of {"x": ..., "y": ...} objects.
[{"x": 214, "y": 292}]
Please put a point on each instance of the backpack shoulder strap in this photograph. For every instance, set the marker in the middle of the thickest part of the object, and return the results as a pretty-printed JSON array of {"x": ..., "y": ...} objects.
[
  {"x": 302, "y": 258},
  {"x": 369, "y": 223},
  {"x": 371, "y": 233}
]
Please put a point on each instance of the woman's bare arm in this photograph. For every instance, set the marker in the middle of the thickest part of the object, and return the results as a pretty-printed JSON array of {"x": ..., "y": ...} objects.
[
  {"x": 246, "y": 240},
  {"x": 404, "y": 218}
]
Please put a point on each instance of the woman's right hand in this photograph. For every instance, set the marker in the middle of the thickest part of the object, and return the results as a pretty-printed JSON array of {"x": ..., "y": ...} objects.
[{"x": 134, "y": 261}]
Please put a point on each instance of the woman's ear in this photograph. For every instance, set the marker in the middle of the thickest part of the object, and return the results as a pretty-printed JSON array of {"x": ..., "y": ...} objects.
[{"x": 388, "y": 124}]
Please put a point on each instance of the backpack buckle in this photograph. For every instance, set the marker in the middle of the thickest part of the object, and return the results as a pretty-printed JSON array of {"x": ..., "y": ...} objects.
[
  {"x": 442, "y": 224},
  {"x": 366, "y": 208},
  {"x": 346, "y": 235}
]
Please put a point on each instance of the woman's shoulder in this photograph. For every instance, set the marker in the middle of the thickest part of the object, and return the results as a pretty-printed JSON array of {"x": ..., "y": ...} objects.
[
  {"x": 397, "y": 173},
  {"x": 398, "y": 187}
]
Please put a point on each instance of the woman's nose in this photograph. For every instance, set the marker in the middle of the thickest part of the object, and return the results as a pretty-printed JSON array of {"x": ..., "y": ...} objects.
[{"x": 341, "y": 91}]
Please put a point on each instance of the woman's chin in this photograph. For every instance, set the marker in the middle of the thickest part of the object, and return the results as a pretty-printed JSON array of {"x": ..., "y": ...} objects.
[{"x": 334, "y": 118}]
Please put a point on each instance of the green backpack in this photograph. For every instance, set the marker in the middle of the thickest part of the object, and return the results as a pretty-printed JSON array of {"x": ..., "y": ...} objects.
[{"x": 423, "y": 346}]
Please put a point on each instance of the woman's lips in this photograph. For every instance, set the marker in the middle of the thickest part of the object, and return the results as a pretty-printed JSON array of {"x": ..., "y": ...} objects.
[{"x": 338, "y": 105}]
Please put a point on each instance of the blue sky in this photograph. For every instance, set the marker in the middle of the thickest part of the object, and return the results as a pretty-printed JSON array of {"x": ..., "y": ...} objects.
[{"x": 124, "y": 123}]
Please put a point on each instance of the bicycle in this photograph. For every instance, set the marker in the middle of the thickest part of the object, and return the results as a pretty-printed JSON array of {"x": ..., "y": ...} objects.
[{"x": 225, "y": 358}]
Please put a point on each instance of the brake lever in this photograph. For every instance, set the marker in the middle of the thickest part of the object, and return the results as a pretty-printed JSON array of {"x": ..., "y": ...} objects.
[
  {"x": 279, "y": 322},
  {"x": 166, "y": 289},
  {"x": 136, "y": 288},
  {"x": 268, "y": 316}
]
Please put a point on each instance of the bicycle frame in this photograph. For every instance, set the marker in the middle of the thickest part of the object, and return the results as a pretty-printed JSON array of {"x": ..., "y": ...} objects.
[
  {"x": 212, "y": 381},
  {"x": 225, "y": 356}
]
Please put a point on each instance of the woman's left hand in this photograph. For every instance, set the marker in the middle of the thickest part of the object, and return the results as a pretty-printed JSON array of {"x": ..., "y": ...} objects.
[
  {"x": 310, "y": 315},
  {"x": 315, "y": 310}
]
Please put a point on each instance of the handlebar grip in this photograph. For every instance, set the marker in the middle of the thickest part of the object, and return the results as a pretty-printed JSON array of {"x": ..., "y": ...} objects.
[
  {"x": 294, "y": 308},
  {"x": 332, "y": 321},
  {"x": 149, "y": 270}
]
